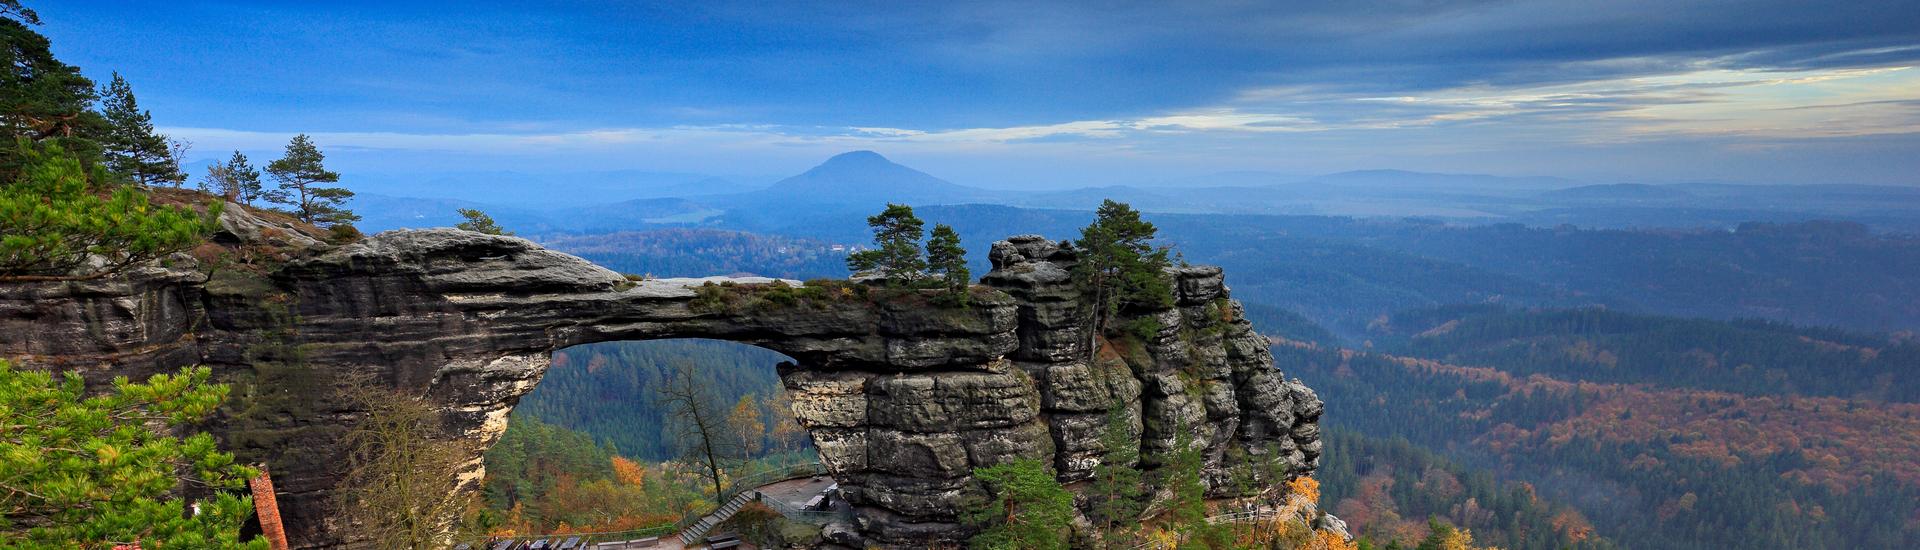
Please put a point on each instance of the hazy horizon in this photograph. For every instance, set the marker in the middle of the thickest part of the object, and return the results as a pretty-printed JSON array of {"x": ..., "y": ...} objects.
[{"x": 1009, "y": 95}]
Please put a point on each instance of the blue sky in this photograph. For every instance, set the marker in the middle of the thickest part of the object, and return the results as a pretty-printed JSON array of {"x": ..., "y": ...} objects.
[{"x": 1015, "y": 94}]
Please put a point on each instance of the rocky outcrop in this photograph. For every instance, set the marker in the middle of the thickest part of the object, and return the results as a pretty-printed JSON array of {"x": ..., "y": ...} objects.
[
  {"x": 1203, "y": 375},
  {"x": 903, "y": 397}
]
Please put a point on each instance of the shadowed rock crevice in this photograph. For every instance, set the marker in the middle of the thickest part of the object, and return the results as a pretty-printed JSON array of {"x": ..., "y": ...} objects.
[{"x": 903, "y": 398}]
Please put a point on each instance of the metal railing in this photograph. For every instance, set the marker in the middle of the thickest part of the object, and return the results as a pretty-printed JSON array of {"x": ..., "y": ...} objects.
[
  {"x": 733, "y": 488},
  {"x": 803, "y": 515},
  {"x": 660, "y": 530},
  {"x": 774, "y": 474}
]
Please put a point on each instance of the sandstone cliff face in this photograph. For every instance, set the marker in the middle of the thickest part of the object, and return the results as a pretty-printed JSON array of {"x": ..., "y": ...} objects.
[{"x": 903, "y": 398}]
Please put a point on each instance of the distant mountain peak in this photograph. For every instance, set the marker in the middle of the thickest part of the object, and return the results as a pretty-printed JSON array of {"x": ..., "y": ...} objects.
[
  {"x": 866, "y": 177},
  {"x": 862, "y": 156}
]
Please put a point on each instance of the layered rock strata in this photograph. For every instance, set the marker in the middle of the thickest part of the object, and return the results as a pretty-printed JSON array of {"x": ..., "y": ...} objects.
[{"x": 903, "y": 397}]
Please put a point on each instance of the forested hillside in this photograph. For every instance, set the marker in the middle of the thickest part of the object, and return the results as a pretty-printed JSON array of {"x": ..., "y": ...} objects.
[
  {"x": 1388, "y": 489},
  {"x": 705, "y": 252},
  {"x": 542, "y": 478},
  {"x": 1653, "y": 467},
  {"x": 1748, "y": 357},
  {"x": 610, "y": 392}
]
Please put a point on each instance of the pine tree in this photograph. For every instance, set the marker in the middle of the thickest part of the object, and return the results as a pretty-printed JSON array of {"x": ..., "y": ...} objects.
[
  {"x": 13, "y": 9},
  {"x": 299, "y": 173},
  {"x": 896, "y": 256},
  {"x": 238, "y": 181},
  {"x": 1117, "y": 482},
  {"x": 1188, "y": 509},
  {"x": 244, "y": 179},
  {"x": 133, "y": 149},
  {"x": 45, "y": 98},
  {"x": 93, "y": 472},
  {"x": 479, "y": 222},
  {"x": 1025, "y": 508},
  {"x": 53, "y": 218},
  {"x": 946, "y": 259},
  {"x": 1119, "y": 267}
]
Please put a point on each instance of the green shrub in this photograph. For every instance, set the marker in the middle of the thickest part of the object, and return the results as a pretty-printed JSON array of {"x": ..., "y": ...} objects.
[
  {"x": 712, "y": 298},
  {"x": 1142, "y": 328},
  {"x": 342, "y": 233}
]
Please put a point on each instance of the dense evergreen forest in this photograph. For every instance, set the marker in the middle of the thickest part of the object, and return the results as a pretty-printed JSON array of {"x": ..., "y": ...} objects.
[
  {"x": 592, "y": 448},
  {"x": 610, "y": 392}
]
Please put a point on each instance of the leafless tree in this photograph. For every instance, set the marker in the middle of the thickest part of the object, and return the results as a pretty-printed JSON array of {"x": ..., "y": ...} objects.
[
  {"x": 403, "y": 472},
  {"x": 699, "y": 424}
]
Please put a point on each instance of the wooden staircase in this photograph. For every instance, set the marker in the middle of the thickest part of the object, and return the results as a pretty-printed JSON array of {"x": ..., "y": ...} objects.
[{"x": 699, "y": 528}]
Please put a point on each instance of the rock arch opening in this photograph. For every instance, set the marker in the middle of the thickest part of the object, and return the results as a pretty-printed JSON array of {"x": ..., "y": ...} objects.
[{"x": 597, "y": 446}]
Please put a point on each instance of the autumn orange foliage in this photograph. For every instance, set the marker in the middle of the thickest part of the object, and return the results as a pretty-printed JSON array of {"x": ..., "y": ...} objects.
[
  {"x": 1846, "y": 445},
  {"x": 628, "y": 471}
]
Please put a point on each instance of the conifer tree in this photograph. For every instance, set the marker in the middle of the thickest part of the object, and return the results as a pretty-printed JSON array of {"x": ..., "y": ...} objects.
[
  {"x": 479, "y": 222},
  {"x": 1119, "y": 267},
  {"x": 946, "y": 259},
  {"x": 133, "y": 148},
  {"x": 300, "y": 173},
  {"x": 237, "y": 180},
  {"x": 95, "y": 472},
  {"x": 1025, "y": 508},
  {"x": 1117, "y": 482},
  {"x": 13, "y": 9},
  {"x": 45, "y": 98},
  {"x": 1187, "y": 513},
  {"x": 53, "y": 218},
  {"x": 896, "y": 256}
]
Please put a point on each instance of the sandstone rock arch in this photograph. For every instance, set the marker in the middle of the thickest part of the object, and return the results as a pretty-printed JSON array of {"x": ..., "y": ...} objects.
[{"x": 903, "y": 398}]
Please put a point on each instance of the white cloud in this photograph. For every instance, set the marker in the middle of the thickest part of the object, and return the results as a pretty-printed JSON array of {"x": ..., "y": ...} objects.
[{"x": 1306, "y": 128}]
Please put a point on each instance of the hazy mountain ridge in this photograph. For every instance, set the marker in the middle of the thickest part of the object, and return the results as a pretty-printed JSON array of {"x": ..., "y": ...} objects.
[{"x": 863, "y": 180}]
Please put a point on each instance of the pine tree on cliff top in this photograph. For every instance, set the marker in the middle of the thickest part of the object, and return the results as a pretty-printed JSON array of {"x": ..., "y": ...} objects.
[
  {"x": 479, "y": 222},
  {"x": 947, "y": 259},
  {"x": 1119, "y": 267},
  {"x": 896, "y": 256},
  {"x": 58, "y": 213},
  {"x": 133, "y": 148},
  {"x": 300, "y": 173},
  {"x": 46, "y": 99},
  {"x": 236, "y": 180}
]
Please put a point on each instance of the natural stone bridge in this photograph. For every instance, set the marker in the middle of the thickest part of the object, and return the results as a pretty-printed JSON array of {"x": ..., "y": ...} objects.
[{"x": 903, "y": 398}]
